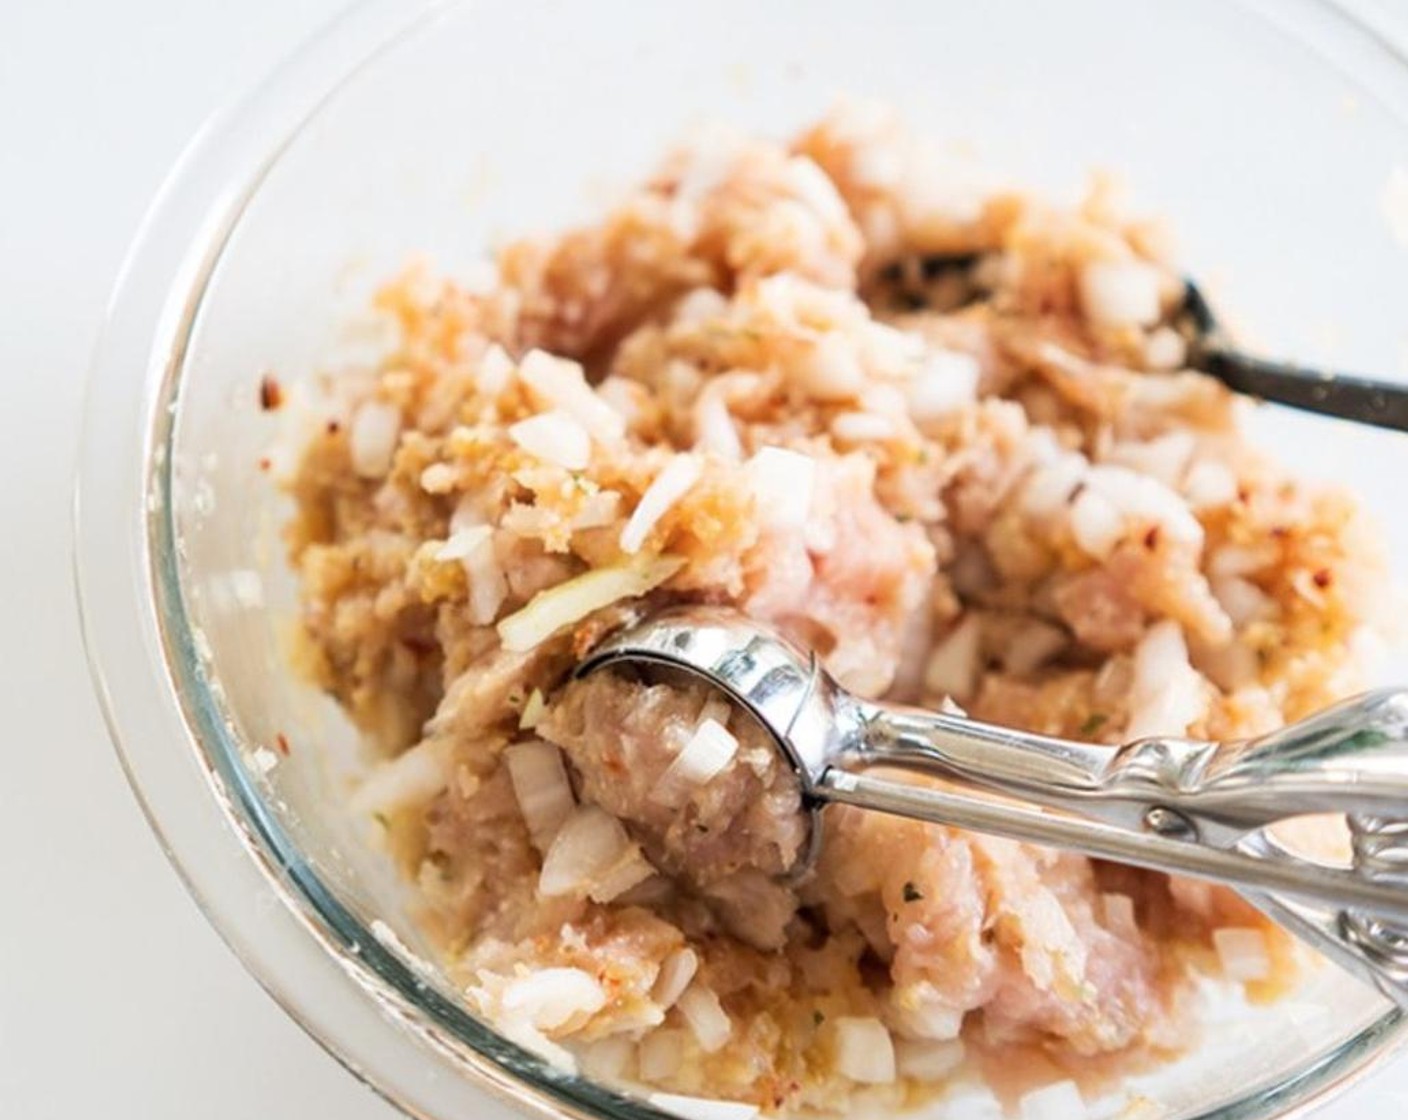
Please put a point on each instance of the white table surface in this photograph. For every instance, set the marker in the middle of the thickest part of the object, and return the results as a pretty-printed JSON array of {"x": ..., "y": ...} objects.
[{"x": 116, "y": 998}]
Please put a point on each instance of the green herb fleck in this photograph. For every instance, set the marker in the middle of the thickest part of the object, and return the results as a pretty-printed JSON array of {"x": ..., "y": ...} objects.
[
  {"x": 911, "y": 893},
  {"x": 1093, "y": 723},
  {"x": 382, "y": 820},
  {"x": 818, "y": 1018}
]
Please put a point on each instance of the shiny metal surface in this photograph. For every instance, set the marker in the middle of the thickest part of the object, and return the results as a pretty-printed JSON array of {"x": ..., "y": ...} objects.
[{"x": 1174, "y": 805}]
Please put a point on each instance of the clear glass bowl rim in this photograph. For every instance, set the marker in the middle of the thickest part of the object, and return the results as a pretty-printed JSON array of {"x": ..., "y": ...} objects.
[{"x": 356, "y": 998}]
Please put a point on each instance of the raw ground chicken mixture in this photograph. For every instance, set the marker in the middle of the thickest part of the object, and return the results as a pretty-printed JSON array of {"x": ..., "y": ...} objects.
[{"x": 948, "y": 442}]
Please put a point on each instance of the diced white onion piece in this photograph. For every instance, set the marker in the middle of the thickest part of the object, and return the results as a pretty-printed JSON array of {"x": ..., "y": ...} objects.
[
  {"x": 918, "y": 1011},
  {"x": 953, "y": 666},
  {"x": 1139, "y": 495},
  {"x": 608, "y": 1059},
  {"x": 1243, "y": 954},
  {"x": 464, "y": 541},
  {"x": 1165, "y": 457},
  {"x": 466, "y": 515},
  {"x": 488, "y": 588},
  {"x": 1059, "y": 1101},
  {"x": 1032, "y": 645},
  {"x": 669, "y": 486},
  {"x": 264, "y": 759},
  {"x": 976, "y": 1104},
  {"x": 1121, "y": 293},
  {"x": 661, "y": 1054},
  {"x": 1209, "y": 484},
  {"x": 554, "y": 437},
  {"x": 1232, "y": 667},
  {"x": 473, "y": 547},
  {"x": 1167, "y": 695},
  {"x": 681, "y": 380},
  {"x": 700, "y": 304},
  {"x": 814, "y": 187},
  {"x": 534, "y": 708},
  {"x": 1243, "y": 600},
  {"x": 706, "y": 1018},
  {"x": 864, "y": 1051},
  {"x": 1118, "y": 912},
  {"x": 597, "y": 510},
  {"x": 563, "y": 384},
  {"x": 628, "y": 399},
  {"x": 495, "y": 369},
  {"x": 592, "y": 855},
  {"x": 944, "y": 384},
  {"x": 530, "y": 1038},
  {"x": 861, "y": 427},
  {"x": 438, "y": 478},
  {"x": 713, "y": 427},
  {"x": 571, "y": 601},
  {"x": 622, "y": 878},
  {"x": 675, "y": 975},
  {"x": 891, "y": 352},
  {"x": 541, "y": 785},
  {"x": 928, "y": 1061},
  {"x": 707, "y": 753},
  {"x": 703, "y": 1108},
  {"x": 831, "y": 370},
  {"x": 1052, "y": 483},
  {"x": 551, "y": 997},
  {"x": 782, "y": 483},
  {"x": 1165, "y": 349},
  {"x": 376, "y": 426},
  {"x": 1241, "y": 560},
  {"x": 1096, "y": 525},
  {"x": 411, "y": 778}
]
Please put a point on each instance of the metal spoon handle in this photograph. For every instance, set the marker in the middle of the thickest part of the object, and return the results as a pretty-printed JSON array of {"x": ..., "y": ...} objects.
[{"x": 1362, "y": 399}]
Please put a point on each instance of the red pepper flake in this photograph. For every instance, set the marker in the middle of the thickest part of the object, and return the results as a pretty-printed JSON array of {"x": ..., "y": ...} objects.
[
  {"x": 1244, "y": 494},
  {"x": 1151, "y": 538},
  {"x": 271, "y": 393},
  {"x": 1280, "y": 532},
  {"x": 334, "y": 426},
  {"x": 1321, "y": 578},
  {"x": 418, "y": 645},
  {"x": 281, "y": 741},
  {"x": 264, "y": 463}
]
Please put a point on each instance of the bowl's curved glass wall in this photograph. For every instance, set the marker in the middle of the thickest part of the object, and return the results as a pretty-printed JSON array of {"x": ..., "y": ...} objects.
[{"x": 1273, "y": 158}]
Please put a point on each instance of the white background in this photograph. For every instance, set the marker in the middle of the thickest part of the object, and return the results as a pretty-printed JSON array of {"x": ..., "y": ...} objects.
[{"x": 116, "y": 999}]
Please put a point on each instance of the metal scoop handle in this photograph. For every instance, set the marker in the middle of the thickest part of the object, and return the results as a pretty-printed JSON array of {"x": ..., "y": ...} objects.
[{"x": 1351, "y": 758}]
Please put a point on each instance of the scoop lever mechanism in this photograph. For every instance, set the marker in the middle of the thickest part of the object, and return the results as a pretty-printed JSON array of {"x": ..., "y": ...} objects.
[{"x": 1180, "y": 806}]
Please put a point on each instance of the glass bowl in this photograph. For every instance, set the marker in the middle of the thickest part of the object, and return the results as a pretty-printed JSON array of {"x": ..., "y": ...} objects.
[{"x": 1266, "y": 130}]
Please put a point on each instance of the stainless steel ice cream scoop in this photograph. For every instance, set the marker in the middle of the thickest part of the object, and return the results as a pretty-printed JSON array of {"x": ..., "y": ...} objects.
[{"x": 1176, "y": 805}]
